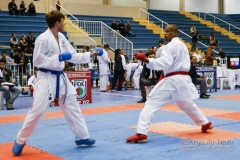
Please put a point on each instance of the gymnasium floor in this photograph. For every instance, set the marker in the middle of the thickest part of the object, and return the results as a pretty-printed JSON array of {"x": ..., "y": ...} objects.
[{"x": 111, "y": 118}]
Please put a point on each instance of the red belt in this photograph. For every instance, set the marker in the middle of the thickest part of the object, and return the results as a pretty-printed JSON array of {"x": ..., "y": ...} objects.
[{"x": 176, "y": 73}]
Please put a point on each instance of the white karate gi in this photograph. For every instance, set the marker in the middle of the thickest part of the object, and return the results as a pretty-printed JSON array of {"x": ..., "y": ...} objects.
[
  {"x": 131, "y": 67},
  {"x": 178, "y": 88},
  {"x": 103, "y": 70},
  {"x": 32, "y": 80},
  {"x": 45, "y": 55}
]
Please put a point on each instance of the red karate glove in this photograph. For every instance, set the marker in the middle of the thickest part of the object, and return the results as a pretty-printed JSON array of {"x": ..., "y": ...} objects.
[
  {"x": 31, "y": 89},
  {"x": 142, "y": 57}
]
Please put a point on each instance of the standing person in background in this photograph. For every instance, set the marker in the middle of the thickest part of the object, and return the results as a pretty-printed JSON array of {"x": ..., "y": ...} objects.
[
  {"x": 104, "y": 71},
  {"x": 209, "y": 55},
  {"x": 192, "y": 30},
  {"x": 51, "y": 50},
  {"x": 58, "y": 6},
  {"x": 194, "y": 41},
  {"x": 118, "y": 73},
  {"x": 175, "y": 86}
]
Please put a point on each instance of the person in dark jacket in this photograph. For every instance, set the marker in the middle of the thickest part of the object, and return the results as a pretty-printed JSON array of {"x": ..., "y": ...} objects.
[
  {"x": 8, "y": 89},
  {"x": 12, "y": 7},
  {"x": 198, "y": 79},
  {"x": 118, "y": 74},
  {"x": 148, "y": 78}
]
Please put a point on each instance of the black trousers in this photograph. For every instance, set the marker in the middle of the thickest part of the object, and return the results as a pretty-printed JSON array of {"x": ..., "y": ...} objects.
[{"x": 146, "y": 82}]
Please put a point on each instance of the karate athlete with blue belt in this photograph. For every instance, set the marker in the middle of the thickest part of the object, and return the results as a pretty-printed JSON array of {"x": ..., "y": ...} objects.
[{"x": 50, "y": 52}]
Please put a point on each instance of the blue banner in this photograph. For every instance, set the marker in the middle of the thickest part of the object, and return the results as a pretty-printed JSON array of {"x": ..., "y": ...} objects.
[{"x": 210, "y": 74}]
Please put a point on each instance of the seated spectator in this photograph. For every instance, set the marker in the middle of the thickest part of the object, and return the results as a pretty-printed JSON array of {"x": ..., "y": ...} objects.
[
  {"x": 22, "y": 60},
  {"x": 212, "y": 39},
  {"x": 5, "y": 56},
  {"x": 129, "y": 30},
  {"x": 12, "y": 7},
  {"x": 68, "y": 67},
  {"x": 114, "y": 26},
  {"x": 31, "y": 9},
  {"x": 148, "y": 78},
  {"x": 22, "y": 8},
  {"x": 32, "y": 80},
  {"x": 192, "y": 30},
  {"x": 198, "y": 56},
  {"x": 121, "y": 28},
  {"x": 23, "y": 43},
  {"x": 31, "y": 40},
  {"x": 13, "y": 41},
  {"x": 11, "y": 92},
  {"x": 197, "y": 79}
]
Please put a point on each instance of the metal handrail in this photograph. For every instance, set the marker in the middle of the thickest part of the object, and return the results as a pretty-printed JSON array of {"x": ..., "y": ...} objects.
[
  {"x": 95, "y": 43},
  {"x": 214, "y": 17},
  {"x": 140, "y": 9},
  {"x": 70, "y": 22},
  {"x": 149, "y": 14},
  {"x": 66, "y": 11}
]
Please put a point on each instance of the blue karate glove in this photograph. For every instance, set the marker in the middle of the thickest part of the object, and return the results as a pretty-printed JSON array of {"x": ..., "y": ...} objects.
[
  {"x": 65, "y": 56},
  {"x": 99, "y": 50}
]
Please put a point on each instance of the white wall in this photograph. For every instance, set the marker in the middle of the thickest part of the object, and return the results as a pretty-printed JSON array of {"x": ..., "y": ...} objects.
[
  {"x": 129, "y": 3},
  {"x": 172, "y": 5},
  {"x": 231, "y": 7},
  {"x": 209, "y": 6}
]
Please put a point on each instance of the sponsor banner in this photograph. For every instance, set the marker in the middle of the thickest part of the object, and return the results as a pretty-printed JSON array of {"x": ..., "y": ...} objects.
[
  {"x": 210, "y": 75},
  {"x": 81, "y": 81}
]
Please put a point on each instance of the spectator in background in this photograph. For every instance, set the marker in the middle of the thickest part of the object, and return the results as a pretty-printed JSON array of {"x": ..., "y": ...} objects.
[
  {"x": 161, "y": 45},
  {"x": 12, "y": 7},
  {"x": 129, "y": 30},
  {"x": 22, "y": 8},
  {"x": 212, "y": 39},
  {"x": 13, "y": 41},
  {"x": 114, "y": 26},
  {"x": 121, "y": 28},
  {"x": 192, "y": 30},
  {"x": 198, "y": 56},
  {"x": 22, "y": 60},
  {"x": 198, "y": 79},
  {"x": 194, "y": 41},
  {"x": 221, "y": 54},
  {"x": 23, "y": 43},
  {"x": 5, "y": 56},
  {"x": 209, "y": 56},
  {"x": 31, "y": 9},
  {"x": 31, "y": 40},
  {"x": 148, "y": 77},
  {"x": 11, "y": 92},
  {"x": 58, "y": 6},
  {"x": 68, "y": 67},
  {"x": 154, "y": 49}
]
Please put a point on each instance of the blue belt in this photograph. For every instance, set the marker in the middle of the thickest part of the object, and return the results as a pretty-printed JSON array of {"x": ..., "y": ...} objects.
[{"x": 57, "y": 73}]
